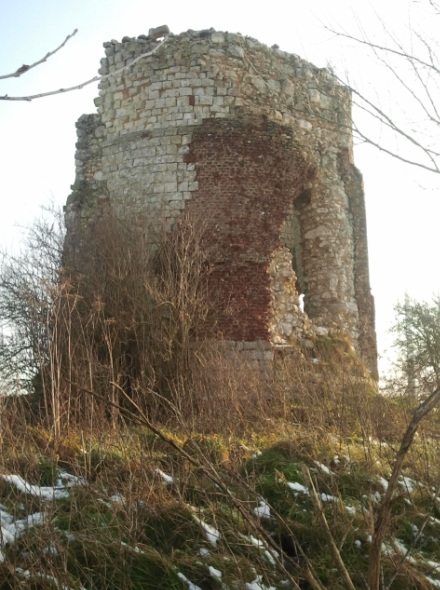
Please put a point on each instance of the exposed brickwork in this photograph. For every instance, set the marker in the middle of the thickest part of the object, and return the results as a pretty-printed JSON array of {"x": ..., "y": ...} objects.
[
  {"x": 249, "y": 171},
  {"x": 256, "y": 141},
  {"x": 244, "y": 300}
]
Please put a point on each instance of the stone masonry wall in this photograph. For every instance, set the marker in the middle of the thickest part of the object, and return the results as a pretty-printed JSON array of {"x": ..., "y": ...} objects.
[{"x": 259, "y": 143}]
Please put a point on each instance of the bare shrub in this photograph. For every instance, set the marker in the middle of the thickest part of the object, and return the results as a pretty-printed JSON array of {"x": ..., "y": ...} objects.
[
  {"x": 129, "y": 321},
  {"x": 134, "y": 306},
  {"x": 27, "y": 282}
]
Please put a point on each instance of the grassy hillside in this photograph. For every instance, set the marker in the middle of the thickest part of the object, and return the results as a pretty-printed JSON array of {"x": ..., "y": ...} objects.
[
  {"x": 232, "y": 505},
  {"x": 146, "y": 456}
]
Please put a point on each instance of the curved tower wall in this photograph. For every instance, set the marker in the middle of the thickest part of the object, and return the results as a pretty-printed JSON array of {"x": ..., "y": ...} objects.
[{"x": 258, "y": 142}]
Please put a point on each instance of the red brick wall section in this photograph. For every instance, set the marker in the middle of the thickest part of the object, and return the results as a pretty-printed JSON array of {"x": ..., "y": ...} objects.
[
  {"x": 249, "y": 171},
  {"x": 241, "y": 294}
]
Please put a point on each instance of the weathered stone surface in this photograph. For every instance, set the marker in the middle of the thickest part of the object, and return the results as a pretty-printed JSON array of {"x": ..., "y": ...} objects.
[{"x": 258, "y": 142}]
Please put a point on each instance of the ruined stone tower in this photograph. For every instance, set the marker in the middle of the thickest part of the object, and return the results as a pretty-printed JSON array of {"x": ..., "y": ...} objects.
[{"x": 259, "y": 142}]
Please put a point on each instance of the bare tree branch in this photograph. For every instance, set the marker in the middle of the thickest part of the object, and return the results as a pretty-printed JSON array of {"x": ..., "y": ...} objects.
[
  {"x": 386, "y": 120},
  {"x": 383, "y": 517},
  {"x": 418, "y": 536},
  {"x": 139, "y": 417},
  {"x": 415, "y": 67},
  {"x": 25, "y": 68},
  {"x": 87, "y": 82},
  {"x": 390, "y": 50},
  {"x": 434, "y": 6}
]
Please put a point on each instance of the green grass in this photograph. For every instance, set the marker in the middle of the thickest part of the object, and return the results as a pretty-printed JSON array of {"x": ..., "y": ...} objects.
[{"x": 127, "y": 529}]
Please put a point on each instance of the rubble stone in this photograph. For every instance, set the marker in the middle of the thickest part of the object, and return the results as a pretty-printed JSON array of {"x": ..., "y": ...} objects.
[{"x": 259, "y": 143}]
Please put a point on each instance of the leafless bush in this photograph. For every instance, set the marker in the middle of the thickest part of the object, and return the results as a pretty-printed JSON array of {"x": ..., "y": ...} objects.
[
  {"x": 133, "y": 306},
  {"x": 129, "y": 321},
  {"x": 28, "y": 287}
]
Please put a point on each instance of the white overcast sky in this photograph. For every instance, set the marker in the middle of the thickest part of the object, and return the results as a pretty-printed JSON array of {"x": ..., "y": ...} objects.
[{"x": 38, "y": 139}]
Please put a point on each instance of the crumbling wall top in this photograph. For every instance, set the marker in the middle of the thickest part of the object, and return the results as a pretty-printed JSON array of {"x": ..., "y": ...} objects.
[{"x": 210, "y": 120}]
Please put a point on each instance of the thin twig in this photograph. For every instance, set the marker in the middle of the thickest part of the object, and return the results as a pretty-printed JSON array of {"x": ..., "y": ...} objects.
[
  {"x": 384, "y": 48},
  {"x": 383, "y": 516},
  {"x": 87, "y": 82},
  {"x": 317, "y": 504},
  {"x": 25, "y": 68},
  {"x": 413, "y": 544},
  {"x": 213, "y": 476}
]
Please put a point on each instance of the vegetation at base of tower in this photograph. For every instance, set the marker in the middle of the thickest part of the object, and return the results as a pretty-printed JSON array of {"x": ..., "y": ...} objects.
[{"x": 145, "y": 456}]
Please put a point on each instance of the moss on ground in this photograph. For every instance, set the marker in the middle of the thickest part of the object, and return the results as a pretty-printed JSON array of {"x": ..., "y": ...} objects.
[{"x": 131, "y": 528}]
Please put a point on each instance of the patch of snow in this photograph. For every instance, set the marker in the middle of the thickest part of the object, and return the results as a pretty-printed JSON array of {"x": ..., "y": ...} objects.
[
  {"x": 191, "y": 586},
  {"x": 117, "y": 499},
  {"x": 400, "y": 547},
  {"x": 203, "y": 552},
  {"x": 5, "y": 517},
  {"x": 30, "y": 521},
  {"x": 269, "y": 553},
  {"x": 131, "y": 548},
  {"x": 55, "y": 582},
  {"x": 43, "y": 492},
  {"x": 397, "y": 547},
  {"x": 376, "y": 497},
  {"x": 258, "y": 585},
  {"x": 51, "y": 549},
  {"x": 383, "y": 482},
  {"x": 358, "y": 544},
  {"x": 167, "y": 478},
  {"x": 435, "y": 583},
  {"x": 297, "y": 487},
  {"x": 262, "y": 510},
  {"x": 212, "y": 534},
  {"x": 10, "y": 531},
  {"x": 408, "y": 483},
  {"x": 68, "y": 480},
  {"x": 350, "y": 509},
  {"x": 254, "y": 541},
  {"x": 387, "y": 550},
  {"x": 434, "y": 564},
  {"x": 214, "y": 572},
  {"x": 26, "y": 574},
  {"x": 324, "y": 468},
  {"x": 8, "y": 534},
  {"x": 328, "y": 498},
  {"x": 269, "y": 557}
]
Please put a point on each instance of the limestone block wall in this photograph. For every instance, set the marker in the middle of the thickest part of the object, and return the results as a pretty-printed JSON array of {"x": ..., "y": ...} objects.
[{"x": 258, "y": 142}]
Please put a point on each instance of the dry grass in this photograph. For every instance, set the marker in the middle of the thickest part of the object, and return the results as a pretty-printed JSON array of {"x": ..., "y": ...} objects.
[
  {"x": 129, "y": 528},
  {"x": 172, "y": 434}
]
